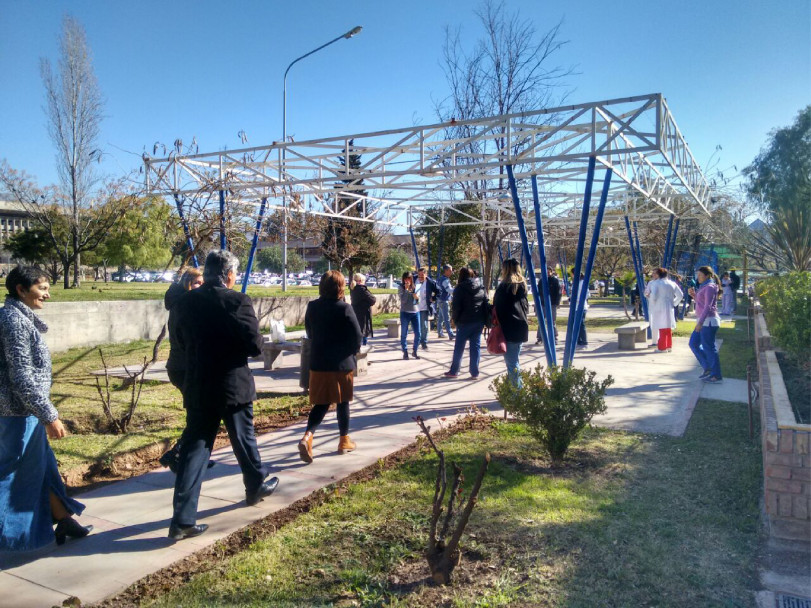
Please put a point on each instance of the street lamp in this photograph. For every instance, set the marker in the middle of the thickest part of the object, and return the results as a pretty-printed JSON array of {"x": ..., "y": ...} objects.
[{"x": 353, "y": 32}]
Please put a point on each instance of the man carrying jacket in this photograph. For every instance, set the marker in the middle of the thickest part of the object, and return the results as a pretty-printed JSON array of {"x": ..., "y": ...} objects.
[{"x": 217, "y": 330}]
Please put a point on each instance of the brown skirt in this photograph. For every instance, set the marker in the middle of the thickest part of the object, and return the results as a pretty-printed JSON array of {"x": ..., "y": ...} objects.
[{"x": 330, "y": 387}]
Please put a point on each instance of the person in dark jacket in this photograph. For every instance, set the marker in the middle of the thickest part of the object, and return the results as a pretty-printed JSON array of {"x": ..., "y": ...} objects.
[
  {"x": 554, "y": 299},
  {"x": 362, "y": 302},
  {"x": 335, "y": 339},
  {"x": 425, "y": 287},
  {"x": 512, "y": 307},
  {"x": 191, "y": 279},
  {"x": 32, "y": 495},
  {"x": 468, "y": 310},
  {"x": 217, "y": 330},
  {"x": 409, "y": 314}
]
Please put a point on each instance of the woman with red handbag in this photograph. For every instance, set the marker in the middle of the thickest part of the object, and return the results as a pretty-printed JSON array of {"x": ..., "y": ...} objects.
[{"x": 511, "y": 308}]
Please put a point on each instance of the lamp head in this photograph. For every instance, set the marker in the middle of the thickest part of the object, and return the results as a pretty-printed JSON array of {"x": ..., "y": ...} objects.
[{"x": 353, "y": 32}]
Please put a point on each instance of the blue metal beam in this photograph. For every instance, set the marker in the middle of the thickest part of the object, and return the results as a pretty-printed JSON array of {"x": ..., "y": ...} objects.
[
  {"x": 223, "y": 242},
  {"x": 547, "y": 328},
  {"x": 667, "y": 241},
  {"x": 568, "y": 350},
  {"x": 254, "y": 243},
  {"x": 414, "y": 246},
  {"x": 500, "y": 255},
  {"x": 565, "y": 272},
  {"x": 673, "y": 243},
  {"x": 519, "y": 216},
  {"x": 598, "y": 221},
  {"x": 186, "y": 231},
  {"x": 642, "y": 298},
  {"x": 439, "y": 253}
]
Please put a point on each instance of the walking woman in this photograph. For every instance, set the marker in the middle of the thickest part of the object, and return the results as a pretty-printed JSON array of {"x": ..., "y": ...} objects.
[
  {"x": 409, "y": 314},
  {"x": 663, "y": 296},
  {"x": 32, "y": 495},
  {"x": 727, "y": 295},
  {"x": 512, "y": 307},
  {"x": 335, "y": 339},
  {"x": 468, "y": 311},
  {"x": 702, "y": 340},
  {"x": 362, "y": 302}
]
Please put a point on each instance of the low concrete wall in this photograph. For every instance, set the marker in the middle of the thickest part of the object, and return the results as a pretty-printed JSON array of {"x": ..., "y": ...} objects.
[
  {"x": 87, "y": 324},
  {"x": 786, "y": 450}
]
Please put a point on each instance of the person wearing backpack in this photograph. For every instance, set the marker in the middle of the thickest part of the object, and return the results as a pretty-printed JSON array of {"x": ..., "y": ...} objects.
[{"x": 469, "y": 310}]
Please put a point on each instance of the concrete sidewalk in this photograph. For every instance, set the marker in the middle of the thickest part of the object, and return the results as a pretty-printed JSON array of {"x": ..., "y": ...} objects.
[{"x": 653, "y": 393}]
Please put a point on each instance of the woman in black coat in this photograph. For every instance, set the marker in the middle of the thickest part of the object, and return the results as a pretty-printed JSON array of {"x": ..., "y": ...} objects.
[
  {"x": 335, "y": 339},
  {"x": 362, "y": 302},
  {"x": 468, "y": 310},
  {"x": 511, "y": 311}
]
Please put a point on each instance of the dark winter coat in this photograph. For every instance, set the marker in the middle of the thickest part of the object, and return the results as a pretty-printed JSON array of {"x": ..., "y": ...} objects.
[
  {"x": 554, "y": 290},
  {"x": 334, "y": 333},
  {"x": 362, "y": 302},
  {"x": 511, "y": 311},
  {"x": 174, "y": 364},
  {"x": 217, "y": 331},
  {"x": 469, "y": 303},
  {"x": 25, "y": 364}
]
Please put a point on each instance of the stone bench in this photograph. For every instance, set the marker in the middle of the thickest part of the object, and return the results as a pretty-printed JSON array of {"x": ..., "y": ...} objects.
[
  {"x": 632, "y": 333},
  {"x": 273, "y": 352},
  {"x": 393, "y": 327}
]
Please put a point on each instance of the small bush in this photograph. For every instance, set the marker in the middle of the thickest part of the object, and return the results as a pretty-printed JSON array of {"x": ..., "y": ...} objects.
[
  {"x": 786, "y": 301},
  {"x": 556, "y": 403}
]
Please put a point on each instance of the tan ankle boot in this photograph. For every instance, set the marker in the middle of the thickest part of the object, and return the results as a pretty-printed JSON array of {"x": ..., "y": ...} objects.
[
  {"x": 345, "y": 444},
  {"x": 305, "y": 448}
]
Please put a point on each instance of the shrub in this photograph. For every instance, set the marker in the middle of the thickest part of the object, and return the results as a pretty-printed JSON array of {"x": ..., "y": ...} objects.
[
  {"x": 556, "y": 403},
  {"x": 787, "y": 305}
]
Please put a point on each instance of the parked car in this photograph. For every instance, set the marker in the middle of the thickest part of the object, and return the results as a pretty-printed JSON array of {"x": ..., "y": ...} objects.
[
  {"x": 371, "y": 281},
  {"x": 305, "y": 283}
]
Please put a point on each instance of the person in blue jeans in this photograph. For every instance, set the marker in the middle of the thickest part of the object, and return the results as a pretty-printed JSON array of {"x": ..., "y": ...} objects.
[
  {"x": 443, "y": 316},
  {"x": 468, "y": 309},
  {"x": 409, "y": 314},
  {"x": 512, "y": 307},
  {"x": 702, "y": 340},
  {"x": 426, "y": 289}
]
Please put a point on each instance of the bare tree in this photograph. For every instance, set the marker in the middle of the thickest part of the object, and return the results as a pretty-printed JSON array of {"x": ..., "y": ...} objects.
[
  {"x": 507, "y": 71},
  {"x": 74, "y": 109}
]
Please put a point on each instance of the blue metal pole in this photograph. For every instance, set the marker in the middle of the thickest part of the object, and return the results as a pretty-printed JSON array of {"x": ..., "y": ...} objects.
[
  {"x": 584, "y": 220},
  {"x": 667, "y": 241},
  {"x": 548, "y": 327},
  {"x": 566, "y": 283},
  {"x": 519, "y": 216},
  {"x": 598, "y": 221},
  {"x": 500, "y": 254},
  {"x": 414, "y": 245},
  {"x": 428, "y": 250},
  {"x": 223, "y": 242},
  {"x": 642, "y": 276},
  {"x": 186, "y": 231},
  {"x": 254, "y": 243},
  {"x": 637, "y": 272},
  {"x": 509, "y": 251},
  {"x": 439, "y": 253},
  {"x": 673, "y": 243}
]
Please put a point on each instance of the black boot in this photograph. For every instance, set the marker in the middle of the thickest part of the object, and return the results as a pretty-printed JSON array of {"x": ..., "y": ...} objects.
[
  {"x": 70, "y": 527},
  {"x": 405, "y": 354}
]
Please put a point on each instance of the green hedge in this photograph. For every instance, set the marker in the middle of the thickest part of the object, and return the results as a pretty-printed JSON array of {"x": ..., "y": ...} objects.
[{"x": 786, "y": 300}]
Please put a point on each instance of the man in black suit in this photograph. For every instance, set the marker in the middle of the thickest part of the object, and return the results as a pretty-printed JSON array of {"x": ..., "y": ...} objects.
[{"x": 217, "y": 330}]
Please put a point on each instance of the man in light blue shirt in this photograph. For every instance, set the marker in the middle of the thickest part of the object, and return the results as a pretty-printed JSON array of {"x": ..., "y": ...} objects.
[{"x": 445, "y": 293}]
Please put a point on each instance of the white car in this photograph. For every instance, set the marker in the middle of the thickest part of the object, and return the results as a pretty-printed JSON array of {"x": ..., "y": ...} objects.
[{"x": 305, "y": 283}]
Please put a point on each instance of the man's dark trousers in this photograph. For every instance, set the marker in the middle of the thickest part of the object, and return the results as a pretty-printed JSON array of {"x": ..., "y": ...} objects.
[{"x": 195, "y": 451}]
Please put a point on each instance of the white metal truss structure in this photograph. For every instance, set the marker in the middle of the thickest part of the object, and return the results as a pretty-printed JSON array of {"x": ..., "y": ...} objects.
[{"x": 413, "y": 176}]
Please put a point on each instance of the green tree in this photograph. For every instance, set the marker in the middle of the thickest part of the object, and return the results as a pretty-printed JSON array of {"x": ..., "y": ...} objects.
[
  {"x": 779, "y": 180},
  {"x": 459, "y": 242},
  {"x": 270, "y": 258},
  {"x": 349, "y": 243},
  {"x": 395, "y": 263},
  {"x": 35, "y": 247}
]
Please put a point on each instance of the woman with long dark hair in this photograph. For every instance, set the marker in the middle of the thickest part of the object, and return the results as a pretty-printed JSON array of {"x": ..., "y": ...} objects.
[
  {"x": 702, "y": 340},
  {"x": 468, "y": 311},
  {"x": 512, "y": 308},
  {"x": 32, "y": 495},
  {"x": 409, "y": 314}
]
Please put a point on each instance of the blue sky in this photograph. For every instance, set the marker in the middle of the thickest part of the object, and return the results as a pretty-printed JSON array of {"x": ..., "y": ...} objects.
[{"x": 731, "y": 70}]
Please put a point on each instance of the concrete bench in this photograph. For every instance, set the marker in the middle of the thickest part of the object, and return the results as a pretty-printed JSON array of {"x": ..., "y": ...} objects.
[
  {"x": 632, "y": 333},
  {"x": 272, "y": 352},
  {"x": 393, "y": 327}
]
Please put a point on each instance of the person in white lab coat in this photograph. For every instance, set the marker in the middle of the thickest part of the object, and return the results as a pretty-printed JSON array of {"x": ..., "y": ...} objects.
[{"x": 663, "y": 295}]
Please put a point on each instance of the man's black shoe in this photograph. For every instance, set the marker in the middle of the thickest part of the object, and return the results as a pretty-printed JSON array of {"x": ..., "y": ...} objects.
[
  {"x": 181, "y": 532},
  {"x": 424, "y": 346},
  {"x": 266, "y": 489},
  {"x": 170, "y": 459}
]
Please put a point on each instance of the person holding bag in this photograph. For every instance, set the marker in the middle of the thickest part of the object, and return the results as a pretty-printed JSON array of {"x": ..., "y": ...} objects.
[{"x": 511, "y": 309}]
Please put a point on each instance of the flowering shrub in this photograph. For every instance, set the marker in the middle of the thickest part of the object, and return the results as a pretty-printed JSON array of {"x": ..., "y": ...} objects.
[{"x": 786, "y": 300}]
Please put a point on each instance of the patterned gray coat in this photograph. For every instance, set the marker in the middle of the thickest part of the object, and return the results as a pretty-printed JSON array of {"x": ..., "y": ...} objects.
[{"x": 25, "y": 364}]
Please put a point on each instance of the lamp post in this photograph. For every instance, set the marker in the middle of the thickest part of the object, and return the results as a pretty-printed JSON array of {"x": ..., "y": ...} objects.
[{"x": 353, "y": 32}]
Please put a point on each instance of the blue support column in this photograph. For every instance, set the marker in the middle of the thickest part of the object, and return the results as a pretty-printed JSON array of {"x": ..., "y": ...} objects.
[
  {"x": 428, "y": 250},
  {"x": 642, "y": 298},
  {"x": 547, "y": 328},
  {"x": 673, "y": 244},
  {"x": 667, "y": 241},
  {"x": 565, "y": 271},
  {"x": 584, "y": 220},
  {"x": 254, "y": 243},
  {"x": 640, "y": 283},
  {"x": 519, "y": 216},
  {"x": 439, "y": 253},
  {"x": 500, "y": 255},
  {"x": 581, "y": 298},
  {"x": 186, "y": 231},
  {"x": 414, "y": 245},
  {"x": 509, "y": 251},
  {"x": 223, "y": 242}
]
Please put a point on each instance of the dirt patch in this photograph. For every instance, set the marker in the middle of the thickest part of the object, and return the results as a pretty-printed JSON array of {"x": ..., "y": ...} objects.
[
  {"x": 211, "y": 558},
  {"x": 136, "y": 462},
  {"x": 797, "y": 377}
]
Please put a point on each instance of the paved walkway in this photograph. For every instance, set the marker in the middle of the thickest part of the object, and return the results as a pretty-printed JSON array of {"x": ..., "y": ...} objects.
[{"x": 653, "y": 393}]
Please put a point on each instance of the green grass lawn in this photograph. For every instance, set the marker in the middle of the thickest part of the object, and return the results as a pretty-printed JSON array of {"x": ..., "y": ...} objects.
[
  {"x": 633, "y": 520},
  {"x": 94, "y": 291}
]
